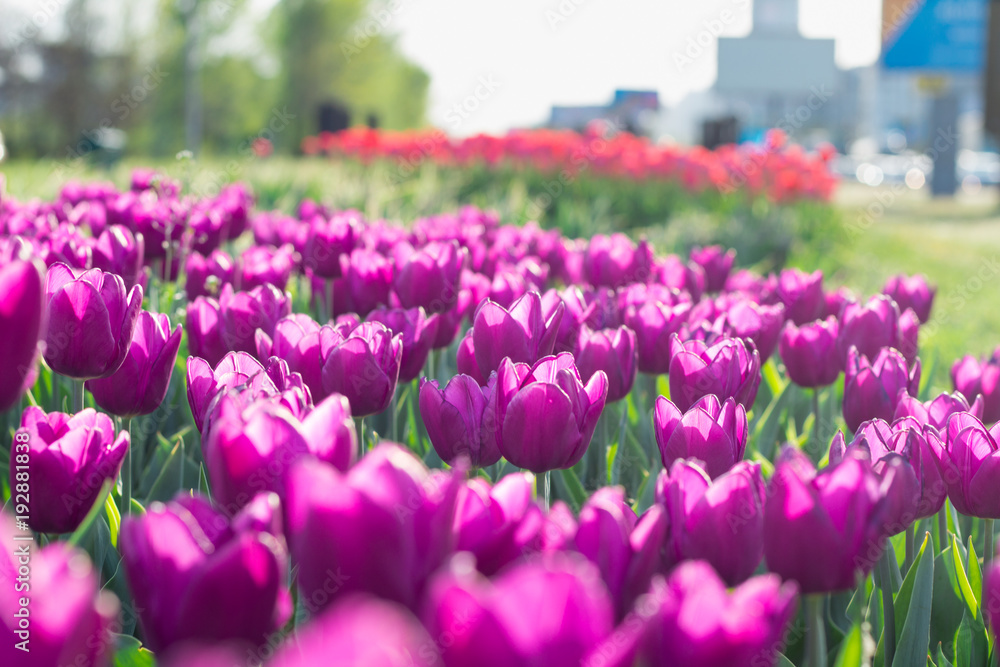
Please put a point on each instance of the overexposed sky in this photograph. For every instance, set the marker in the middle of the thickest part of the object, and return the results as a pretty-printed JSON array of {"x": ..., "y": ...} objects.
[{"x": 539, "y": 56}]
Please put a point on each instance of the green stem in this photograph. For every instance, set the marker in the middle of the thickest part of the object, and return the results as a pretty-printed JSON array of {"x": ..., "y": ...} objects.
[
  {"x": 942, "y": 518},
  {"x": 815, "y": 632},
  {"x": 361, "y": 437},
  {"x": 329, "y": 297},
  {"x": 988, "y": 552},
  {"x": 911, "y": 531},
  {"x": 127, "y": 474},
  {"x": 77, "y": 397},
  {"x": 393, "y": 406},
  {"x": 816, "y": 419},
  {"x": 888, "y": 612},
  {"x": 547, "y": 489}
]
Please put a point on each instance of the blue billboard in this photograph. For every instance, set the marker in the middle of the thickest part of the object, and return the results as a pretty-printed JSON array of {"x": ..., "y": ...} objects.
[{"x": 935, "y": 35}]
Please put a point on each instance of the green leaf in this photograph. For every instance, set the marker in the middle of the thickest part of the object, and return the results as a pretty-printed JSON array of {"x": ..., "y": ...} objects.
[
  {"x": 975, "y": 573},
  {"x": 130, "y": 653},
  {"x": 773, "y": 378},
  {"x": 963, "y": 582},
  {"x": 114, "y": 519},
  {"x": 946, "y": 613},
  {"x": 851, "y": 649},
  {"x": 765, "y": 435},
  {"x": 576, "y": 494},
  {"x": 941, "y": 660},
  {"x": 783, "y": 662},
  {"x": 911, "y": 649},
  {"x": 95, "y": 510},
  {"x": 137, "y": 508}
]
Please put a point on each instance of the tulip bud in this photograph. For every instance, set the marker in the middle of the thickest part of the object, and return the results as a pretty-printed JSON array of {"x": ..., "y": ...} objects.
[
  {"x": 810, "y": 352},
  {"x": 709, "y": 431},
  {"x": 802, "y": 294},
  {"x": 520, "y": 333},
  {"x": 872, "y": 389},
  {"x": 611, "y": 351},
  {"x": 730, "y": 368},
  {"x": 90, "y": 321},
  {"x": 970, "y": 466},
  {"x": 911, "y": 292},
  {"x": 461, "y": 419},
  {"x": 364, "y": 366},
  {"x": 140, "y": 385},
  {"x": 716, "y": 262},
  {"x": 821, "y": 528},
  {"x": 972, "y": 377},
  {"x": 69, "y": 457}
]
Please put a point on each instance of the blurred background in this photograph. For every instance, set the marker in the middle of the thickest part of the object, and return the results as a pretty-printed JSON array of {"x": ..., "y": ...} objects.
[{"x": 881, "y": 80}]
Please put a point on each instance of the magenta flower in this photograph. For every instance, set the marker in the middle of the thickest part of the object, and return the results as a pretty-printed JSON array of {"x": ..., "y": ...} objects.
[
  {"x": 546, "y": 414},
  {"x": 937, "y": 412},
  {"x": 654, "y": 324},
  {"x": 196, "y": 575},
  {"x": 972, "y": 377},
  {"x": 970, "y": 466},
  {"x": 697, "y": 508},
  {"x": 241, "y": 314},
  {"x": 383, "y": 527},
  {"x": 417, "y": 333},
  {"x": 364, "y": 366},
  {"x": 327, "y": 240},
  {"x": 90, "y": 321},
  {"x": 869, "y": 327},
  {"x": 520, "y": 333},
  {"x": 810, "y": 352},
  {"x": 911, "y": 292},
  {"x": 70, "y": 618},
  {"x": 140, "y": 384},
  {"x": 802, "y": 294},
  {"x": 716, "y": 262},
  {"x": 20, "y": 326},
  {"x": 551, "y": 611},
  {"x": 872, "y": 389},
  {"x": 821, "y": 528},
  {"x": 69, "y": 457},
  {"x": 612, "y": 351},
  {"x": 613, "y": 261},
  {"x": 118, "y": 250},
  {"x": 461, "y": 419},
  {"x": 207, "y": 275},
  {"x": 235, "y": 370},
  {"x": 728, "y": 369},
  {"x": 430, "y": 277},
  {"x": 712, "y": 432}
]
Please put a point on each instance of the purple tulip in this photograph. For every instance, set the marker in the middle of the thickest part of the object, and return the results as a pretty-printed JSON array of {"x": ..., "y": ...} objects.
[
  {"x": 836, "y": 300},
  {"x": 821, "y": 527},
  {"x": 869, "y": 327},
  {"x": 241, "y": 314},
  {"x": 368, "y": 276},
  {"x": 498, "y": 525},
  {"x": 709, "y": 431},
  {"x": 300, "y": 341},
  {"x": 382, "y": 528},
  {"x": 691, "y": 619},
  {"x": 972, "y": 377},
  {"x": 911, "y": 292},
  {"x": 872, "y": 389},
  {"x": 521, "y": 333},
  {"x": 417, "y": 333},
  {"x": 250, "y": 447},
  {"x": 546, "y": 414},
  {"x": 697, "y": 508},
  {"x": 197, "y": 576},
  {"x": 203, "y": 325},
  {"x": 728, "y": 369},
  {"x": 364, "y": 366},
  {"x": 937, "y": 412},
  {"x": 970, "y": 466},
  {"x": 360, "y": 631},
  {"x": 20, "y": 326},
  {"x": 688, "y": 277},
  {"x": 654, "y": 324},
  {"x": 68, "y": 459},
  {"x": 461, "y": 419},
  {"x": 140, "y": 384},
  {"x": 69, "y": 620},
  {"x": 119, "y": 251},
  {"x": 612, "y": 351},
  {"x": 810, "y": 352},
  {"x": 895, "y": 456},
  {"x": 430, "y": 277},
  {"x": 465, "y": 360},
  {"x": 207, "y": 275},
  {"x": 327, "y": 240},
  {"x": 262, "y": 265},
  {"x": 716, "y": 262},
  {"x": 761, "y": 324},
  {"x": 90, "y": 321},
  {"x": 802, "y": 294},
  {"x": 550, "y": 612},
  {"x": 909, "y": 335},
  {"x": 235, "y": 370},
  {"x": 613, "y": 261}
]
